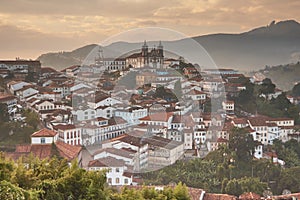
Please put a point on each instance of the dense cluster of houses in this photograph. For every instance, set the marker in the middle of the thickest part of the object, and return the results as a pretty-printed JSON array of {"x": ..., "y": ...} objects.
[{"x": 160, "y": 119}]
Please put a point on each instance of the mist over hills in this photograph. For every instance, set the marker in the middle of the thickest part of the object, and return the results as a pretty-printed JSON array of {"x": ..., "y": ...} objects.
[{"x": 274, "y": 44}]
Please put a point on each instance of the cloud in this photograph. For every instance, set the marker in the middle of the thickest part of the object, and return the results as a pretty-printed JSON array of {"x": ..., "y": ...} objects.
[
  {"x": 63, "y": 24},
  {"x": 28, "y": 43}
]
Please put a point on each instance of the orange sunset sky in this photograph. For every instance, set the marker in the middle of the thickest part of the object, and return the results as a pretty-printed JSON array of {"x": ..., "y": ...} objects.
[{"x": 29, "y": 28}]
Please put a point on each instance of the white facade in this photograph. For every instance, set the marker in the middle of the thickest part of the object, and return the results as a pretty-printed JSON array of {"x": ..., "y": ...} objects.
[
  {"x": 23, "y": 94},
  {"x": 107, "y": 102},
  {"x": 115, "y": 175},
  {"x": 70, "y": 134},
  {"x": 132, "y": 116},
  {"x": 43, "y": 140},
  {"x": 228, "y": 106},
  {"x": 86, "y": 114},
  {"x": 188, "y": 139},
  {"x": 14, "y": 86}
]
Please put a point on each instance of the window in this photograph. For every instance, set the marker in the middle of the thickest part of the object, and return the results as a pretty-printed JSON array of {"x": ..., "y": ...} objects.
[
  {"x": 117, "y": 180},
  {"x": 117, "y": 169},
  {"x": 43, "y": 140},
  {"x": 109, "y": 180},
  {"x": 126, "y": 180}
]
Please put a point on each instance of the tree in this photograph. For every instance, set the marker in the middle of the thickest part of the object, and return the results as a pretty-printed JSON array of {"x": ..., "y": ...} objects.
[
  {"x": 233, "y": 187},
  {"x": 296, "y": 90},
  {"x": 267, "y": 87},
  {"x": 32, "y": 118},
  {"x": 9, "y": 191},
  {"x": 4, "y": 116},
  {"x": 242, "y": 143},
  {"x": 181, "y": 192},
  {"x": 6, "y": 168},
  {"x": 250, "y": 184}
]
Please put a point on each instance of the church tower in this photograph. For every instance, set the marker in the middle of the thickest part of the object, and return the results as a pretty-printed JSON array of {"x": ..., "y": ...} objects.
[
  {"x": 160, "y": 49},
  {"x": 145, "y": 53}
]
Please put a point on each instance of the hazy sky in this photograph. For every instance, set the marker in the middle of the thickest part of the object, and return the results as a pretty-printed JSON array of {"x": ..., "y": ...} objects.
[{"x": 31, "y": 27}]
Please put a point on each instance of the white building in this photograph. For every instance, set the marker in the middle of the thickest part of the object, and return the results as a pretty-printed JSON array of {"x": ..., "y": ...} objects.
[
  {"x": 69, "y": 133},
  {"x": 117, "y": 171},
  {"x": 114, "y": 64},
  {"x": 102, "y": 129},
  {"x": 44, "y": 136},
  {"x": 131, "y": 142},
  {"x": 84, "y": 114},
  {"x": 26, "y": 92},
  {"x": 132, "y": 114},
  {"x": 16, "y": 85},
  {"x": 158, "y": 119},
  {"x": 228, "y": 106}
]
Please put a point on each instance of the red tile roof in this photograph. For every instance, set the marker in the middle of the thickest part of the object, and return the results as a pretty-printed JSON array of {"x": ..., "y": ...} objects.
[
  {"x": 157, "y": 117},
  {"x": 64, "y": 127},
  {"x": 4, "y": 98},
  {"x": 43, "y": 151},
  {"x": 210, "y": 196},
  {"x": 287, "y": 196},
  {"x": 107, "y": 162},
  {"x": 249, "y": 196},
  {"x": 44, "y": 133},
  {"x": 68, "y": 151}
]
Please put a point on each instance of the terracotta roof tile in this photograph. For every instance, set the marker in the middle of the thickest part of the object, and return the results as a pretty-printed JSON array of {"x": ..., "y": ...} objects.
[
  {"x": 107, "y": 162},
  {"x": 249, "y": 196},
  {"x": 68, "y": 151},
  {"x": 44, "y": 133}
]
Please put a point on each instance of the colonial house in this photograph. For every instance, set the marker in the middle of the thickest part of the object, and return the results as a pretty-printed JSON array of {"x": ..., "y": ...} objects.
[
  {"x": 228, "y": 106},
  {"x": 84, "y": 114},
  {"x": 44, "y": 136},
  {"x": 42, "y": 144},
  {"x": 13, "y": 86},
  {"x": 101, "y": 129},
  {"x": 132, "y": 114},
  {"x": 69, "y": 133},
  {"x": 162, "y": 119},
  {"x": 117, "y": 171},
  {"x": 134, "y": 143},
  {"x": 163, "y": 151},
  {"x": 127, "y": 155},
  {"x": 26, "y": 92}
]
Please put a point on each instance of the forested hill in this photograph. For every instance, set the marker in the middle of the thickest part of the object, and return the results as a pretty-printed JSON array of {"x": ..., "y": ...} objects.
[
  {"x": 273, "y": 44},
  {"x": 284, "y": 76}
]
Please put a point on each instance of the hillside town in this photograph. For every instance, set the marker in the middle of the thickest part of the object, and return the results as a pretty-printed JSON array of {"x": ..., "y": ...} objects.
[{"x": 137, "y": 113}]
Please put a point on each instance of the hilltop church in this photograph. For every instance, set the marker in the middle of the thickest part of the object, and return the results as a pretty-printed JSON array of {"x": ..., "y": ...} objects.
[{"x": 147, "y": 58}]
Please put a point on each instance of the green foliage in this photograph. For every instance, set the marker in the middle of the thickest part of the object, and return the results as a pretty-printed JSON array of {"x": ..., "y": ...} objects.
[
  {"x": 296, "y": 90},
  {"x": 289, "y": 179},
  {"x": 32, "y": 118},
  {"x": 267, "y": 87},
  {"x": 250, "y": 101},
  {"x": 4, "y": 116},
  {"x": 31, "y": 178},
  {"x": 194, "y": 173},
  {"x": 180, "y": 192},
  {"x": 9, "y": 191},
  {"x": 284, "y": 76},
  {"x": 245, "y": 184},
  {"x": 242, "y": 143},
  {"x": 288, "y": 151},
  {"x": 6, "y": 168}
]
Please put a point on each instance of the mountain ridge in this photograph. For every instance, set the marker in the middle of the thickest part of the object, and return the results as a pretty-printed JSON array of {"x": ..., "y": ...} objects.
[{"x": 273, "y": 44}]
